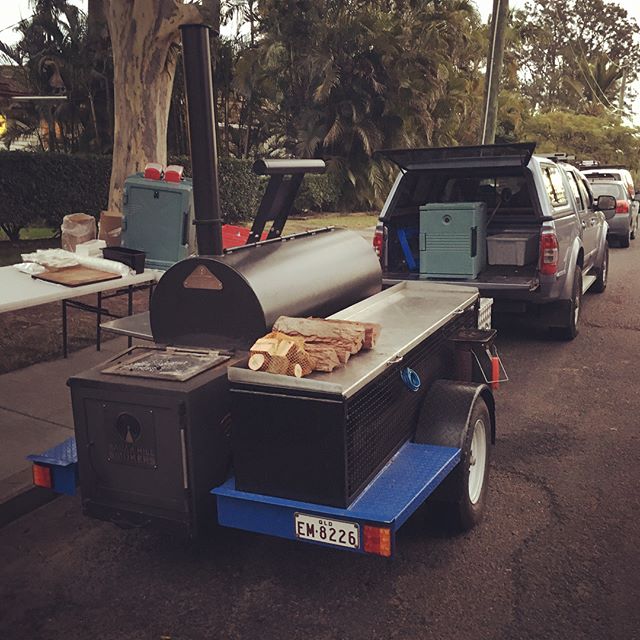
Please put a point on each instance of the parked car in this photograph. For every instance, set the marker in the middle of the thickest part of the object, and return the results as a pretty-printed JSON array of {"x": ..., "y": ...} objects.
[
  {"x": 615, "y": 174},
  {"x": 624, "y": 225},
  {"x": 545, "y": 237}
]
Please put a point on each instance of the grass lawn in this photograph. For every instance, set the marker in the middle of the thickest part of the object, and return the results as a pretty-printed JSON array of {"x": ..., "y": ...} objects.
[
  {"x": 35, "y": 334},
  {"x": 348, "y": 220}
]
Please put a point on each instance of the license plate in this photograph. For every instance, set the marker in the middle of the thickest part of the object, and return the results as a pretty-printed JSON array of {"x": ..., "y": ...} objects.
[{"x": 336, "y": 532}]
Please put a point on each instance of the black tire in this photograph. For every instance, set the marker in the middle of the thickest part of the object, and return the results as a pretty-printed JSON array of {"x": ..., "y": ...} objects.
[
  {"x": 602, "y": 273},
  {"x": 570, "y": 330},
  {"x": 466, "y": 490},
  {"x": 625, "y": 241}
]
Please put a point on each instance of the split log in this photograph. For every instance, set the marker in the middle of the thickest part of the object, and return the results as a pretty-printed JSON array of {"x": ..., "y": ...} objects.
[
  {"x": 282, "y": 354},
  {"x": 372, "y": 331},
  {"x": 325, "y": 358},
  {"x": 342, "y": 336}
]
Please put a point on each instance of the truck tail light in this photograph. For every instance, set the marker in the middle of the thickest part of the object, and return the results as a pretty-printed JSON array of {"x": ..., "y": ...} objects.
[
  {"x": 622, "y": 206},
  {"x": 377, "y": 540},
  {"x": 378, "y": 242},
  {"x": 548, "y": 253},
  {"x": 42, "y": 476}
]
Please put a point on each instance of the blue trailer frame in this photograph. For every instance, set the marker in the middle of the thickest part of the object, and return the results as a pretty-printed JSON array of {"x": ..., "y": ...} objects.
[{"x": 400, "y": 488}]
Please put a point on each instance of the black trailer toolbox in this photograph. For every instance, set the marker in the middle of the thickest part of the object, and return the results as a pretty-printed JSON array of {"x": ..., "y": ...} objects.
[{"x": 321, "y": 439}]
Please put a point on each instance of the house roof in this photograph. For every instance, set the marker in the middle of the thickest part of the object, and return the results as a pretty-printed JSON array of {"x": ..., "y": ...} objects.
[{"x": 10, "y": 84}]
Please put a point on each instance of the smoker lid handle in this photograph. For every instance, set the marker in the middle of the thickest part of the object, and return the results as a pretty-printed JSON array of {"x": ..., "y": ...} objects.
[{"x": 273, "y": 166}]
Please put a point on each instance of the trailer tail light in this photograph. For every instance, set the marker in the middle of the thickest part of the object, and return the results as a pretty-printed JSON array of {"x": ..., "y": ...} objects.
[
  {"x": 378, "y": 242},
  {"x": 622, "y": 206},
  {"x": 42, "y": 476},
  {"x": 548, "y": 253},
  {"x": 377, "y": 540}
]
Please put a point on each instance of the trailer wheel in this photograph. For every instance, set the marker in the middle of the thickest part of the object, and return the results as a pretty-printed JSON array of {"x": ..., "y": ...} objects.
[
  {"x": 473, "y": 471},
  {"x": 460, "y": 415}
]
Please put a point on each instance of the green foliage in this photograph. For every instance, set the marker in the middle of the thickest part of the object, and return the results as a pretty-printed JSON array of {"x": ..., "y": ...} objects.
[
  {"x": 587, "y": 137},
  {"x": 319, "y": 192},
  {"x": 47, "y": 186},
  {"x": 574, "y": 54},
  {"x": 339, "y": 80}
]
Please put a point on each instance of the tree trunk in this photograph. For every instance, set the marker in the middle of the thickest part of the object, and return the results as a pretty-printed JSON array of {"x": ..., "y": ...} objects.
[{"x": 143, "y": 33}]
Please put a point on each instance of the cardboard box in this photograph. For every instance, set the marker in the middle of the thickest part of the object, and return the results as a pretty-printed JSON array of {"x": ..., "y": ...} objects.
[{"x": 110, "y": 228}]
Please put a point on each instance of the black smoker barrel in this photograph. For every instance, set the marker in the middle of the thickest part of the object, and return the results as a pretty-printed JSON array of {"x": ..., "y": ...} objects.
[
  {"x": 230, "y": 300},
  {"x": 202, "y": 137}
]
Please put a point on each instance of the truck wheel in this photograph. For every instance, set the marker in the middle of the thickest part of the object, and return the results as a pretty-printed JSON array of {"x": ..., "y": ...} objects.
[
  {"x": 602, "y": 272},
  {"x": 570, "y": 330},
  {"x": 624, "y": 240}
]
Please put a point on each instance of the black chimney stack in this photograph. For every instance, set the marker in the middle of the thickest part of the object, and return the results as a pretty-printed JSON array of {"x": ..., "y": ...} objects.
[{"x": 202, "y": 135}]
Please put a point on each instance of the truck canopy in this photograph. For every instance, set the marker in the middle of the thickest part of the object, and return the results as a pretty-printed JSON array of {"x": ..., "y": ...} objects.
[{"x": 441, "y": 158}]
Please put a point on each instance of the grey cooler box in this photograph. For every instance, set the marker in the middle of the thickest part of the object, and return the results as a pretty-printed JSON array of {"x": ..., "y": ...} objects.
[
  {"x": 515, "y": 249},
  {"x": 453, "y": 239},
  {"x": 157, "y": 219}
]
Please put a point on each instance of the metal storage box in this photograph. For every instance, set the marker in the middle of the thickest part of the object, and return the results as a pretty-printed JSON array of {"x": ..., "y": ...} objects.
[
  {"x": 157, "y": 219},
  {"x": 512, "y": 249},
  {"x": 321, "y": 439},
  {"x": 453, "y": 239},
  {"x": 151, "y": 449}
]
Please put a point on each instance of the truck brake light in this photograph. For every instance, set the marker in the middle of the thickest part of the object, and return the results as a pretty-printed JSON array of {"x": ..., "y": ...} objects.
[
  {"x": 378, "y": 241},
  {"x": 548, "y": 254},
  {"x": 622, "y": 206}
]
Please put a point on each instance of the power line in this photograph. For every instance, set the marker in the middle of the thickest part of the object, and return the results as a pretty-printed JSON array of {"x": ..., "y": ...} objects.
[
  {"x": 595, "y": 89},
  {"x": 11, "y": 26}
]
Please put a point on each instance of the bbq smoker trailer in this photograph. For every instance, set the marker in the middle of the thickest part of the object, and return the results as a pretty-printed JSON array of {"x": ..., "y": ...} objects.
[{"x": 180, "y": 433}]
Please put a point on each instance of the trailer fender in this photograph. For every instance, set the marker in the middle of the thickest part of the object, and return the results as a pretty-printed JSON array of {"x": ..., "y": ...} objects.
[
  {"x": 445, "y": 412},
  {"x": 447, "y": 418}
]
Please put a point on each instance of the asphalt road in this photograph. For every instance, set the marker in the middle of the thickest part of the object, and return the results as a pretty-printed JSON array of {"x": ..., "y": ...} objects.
[{"x": 556, "y": 557}]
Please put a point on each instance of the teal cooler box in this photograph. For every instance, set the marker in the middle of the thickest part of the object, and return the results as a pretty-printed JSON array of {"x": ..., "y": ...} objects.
[
  {"x": 453, "y": 239},
  {"x": 157, "y": 219}
]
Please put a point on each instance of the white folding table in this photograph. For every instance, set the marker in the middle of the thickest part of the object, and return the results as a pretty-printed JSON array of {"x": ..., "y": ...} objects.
[{"x": 19, "y": 291}]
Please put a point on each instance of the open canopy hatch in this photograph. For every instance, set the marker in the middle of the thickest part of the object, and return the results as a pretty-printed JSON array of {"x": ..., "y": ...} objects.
[{"x": 494, "y": 155}]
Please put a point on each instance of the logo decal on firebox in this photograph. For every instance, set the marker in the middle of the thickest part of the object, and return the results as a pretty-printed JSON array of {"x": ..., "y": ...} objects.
[
  {"x": 202, "y": 278},
  {"x": 128, "y": 428}
]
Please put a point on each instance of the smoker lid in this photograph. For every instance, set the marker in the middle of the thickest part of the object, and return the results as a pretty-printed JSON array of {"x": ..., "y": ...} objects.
[{"x": 231, "y": 300}]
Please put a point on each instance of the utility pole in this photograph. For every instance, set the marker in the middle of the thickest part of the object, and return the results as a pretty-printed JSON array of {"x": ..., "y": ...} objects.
[{"x": 495, "y": 59}]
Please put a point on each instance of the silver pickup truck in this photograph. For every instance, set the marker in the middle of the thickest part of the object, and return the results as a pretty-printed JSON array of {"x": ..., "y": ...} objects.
[{"x": 545, "y": 206}]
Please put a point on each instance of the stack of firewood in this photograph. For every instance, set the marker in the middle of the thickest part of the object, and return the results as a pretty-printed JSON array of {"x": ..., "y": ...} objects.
[{"x": 298, "y": 346}]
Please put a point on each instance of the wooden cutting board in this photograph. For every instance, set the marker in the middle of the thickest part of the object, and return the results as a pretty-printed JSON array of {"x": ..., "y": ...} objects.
[{"x": 76, "y": 276}]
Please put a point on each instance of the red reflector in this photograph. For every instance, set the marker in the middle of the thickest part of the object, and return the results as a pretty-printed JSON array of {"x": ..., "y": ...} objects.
[
  {"x": 378, "y": 237},
  {"x": 495, "y": 372},
  {"x": 548, "y": 254},
  {"x": 622, "y": 206},
  {"x": 42, "y": 476},
  {"x": 377, "y": 540}
]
